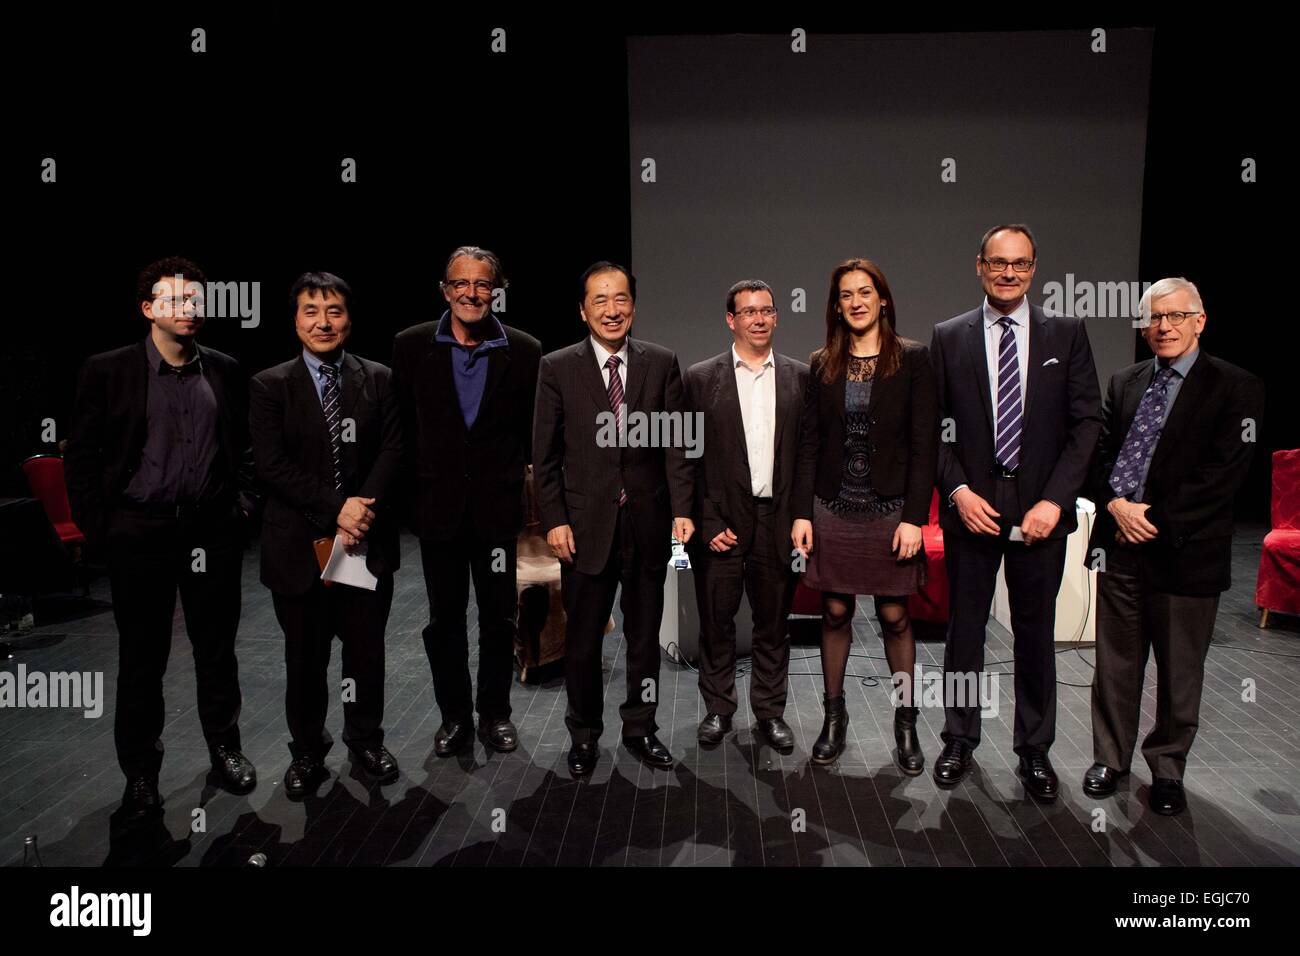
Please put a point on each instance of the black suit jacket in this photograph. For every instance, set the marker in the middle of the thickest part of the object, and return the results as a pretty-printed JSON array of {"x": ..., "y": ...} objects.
[
  {"x": 724, "y": 493},
  {"x": 1062, "y": 415},
  {"x": 578, "y": 482},
  {"x": 110, "y": 424},
  {"x": 295, "y": 464},
  {"x": 1199, "y": 464},
  {"x": 903, "y": 434},
  {"x": 451, "y": 472}
]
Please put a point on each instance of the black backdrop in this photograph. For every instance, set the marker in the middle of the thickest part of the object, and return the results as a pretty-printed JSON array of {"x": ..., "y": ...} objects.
[{"x": 232, "y": 157}]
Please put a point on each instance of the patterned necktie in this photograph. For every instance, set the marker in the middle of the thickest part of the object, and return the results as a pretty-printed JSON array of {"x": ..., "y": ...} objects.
[
  {"x": 1142, "y": 434},
  {"x": 615, "y": 389},
  {"x": 1007, "y": 450},
  {"x": 331, "y": 402}
]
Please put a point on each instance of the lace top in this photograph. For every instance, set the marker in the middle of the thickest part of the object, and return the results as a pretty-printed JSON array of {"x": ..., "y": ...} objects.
[{"x": 856, "y": 496}]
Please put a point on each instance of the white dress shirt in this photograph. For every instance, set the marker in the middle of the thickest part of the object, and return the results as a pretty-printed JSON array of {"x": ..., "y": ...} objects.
[{"x": 756, "y": 386}]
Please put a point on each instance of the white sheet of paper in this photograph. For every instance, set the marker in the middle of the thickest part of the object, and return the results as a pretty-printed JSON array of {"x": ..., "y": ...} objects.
[
  {"x": 1016, "y": 534},
  {"x": 349, "y": 567}
]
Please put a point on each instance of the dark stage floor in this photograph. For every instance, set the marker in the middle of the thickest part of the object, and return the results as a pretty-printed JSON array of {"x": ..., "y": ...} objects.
[{"x": 733, "y": 805}]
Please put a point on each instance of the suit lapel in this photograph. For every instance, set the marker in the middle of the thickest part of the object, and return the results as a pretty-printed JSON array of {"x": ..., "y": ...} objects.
[
  {"x": 306, "y": 397},
  {"x": 440, "y": 362},
  {"x": 726, "y": 404},
  {"x": 636, "y": 372},
  {"x": 1195, "y": 390},
  {"x": 787, "y": 397},
  {"x": 498, "y": 361},
  {"x": 354, "y": 381},
  {"x": 976, "y": 354},
  {"x": 1038, "y": 348},
  {"x": 590, "y": 375}
]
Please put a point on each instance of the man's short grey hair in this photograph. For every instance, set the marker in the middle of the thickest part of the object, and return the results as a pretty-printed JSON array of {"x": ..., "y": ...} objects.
[
  {"x": 746, "y": 285},
  {"x": 481, "y": 254},
  {"x": 1166, "y": 287}
]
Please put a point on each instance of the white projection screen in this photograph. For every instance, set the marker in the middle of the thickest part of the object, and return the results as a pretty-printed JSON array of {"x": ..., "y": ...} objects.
[{"x": 775, "y": 164}]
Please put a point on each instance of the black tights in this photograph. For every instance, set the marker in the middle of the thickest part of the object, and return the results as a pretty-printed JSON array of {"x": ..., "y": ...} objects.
[{"x": 837, "y": 641}]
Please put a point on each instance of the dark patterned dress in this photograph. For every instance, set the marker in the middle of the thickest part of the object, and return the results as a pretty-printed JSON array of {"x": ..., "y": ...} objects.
[{"x": 853, "y": 534}]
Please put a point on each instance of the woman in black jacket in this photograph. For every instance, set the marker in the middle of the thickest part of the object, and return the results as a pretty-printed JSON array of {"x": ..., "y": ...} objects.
[{"x": 867, "y": 451}]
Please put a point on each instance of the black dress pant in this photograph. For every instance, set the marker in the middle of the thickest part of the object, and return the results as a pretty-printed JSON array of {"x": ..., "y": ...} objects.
[
  {"x": 764, "y": 574},
  {"x": 588, "y": 600},
  {"x": 1133, "y": 620},
  {"x": 310, "y": 622},
  {"x": 151, "y": 557},
  {"x": 1033, "y": 574},
  {"x": 448, "y": 567}
]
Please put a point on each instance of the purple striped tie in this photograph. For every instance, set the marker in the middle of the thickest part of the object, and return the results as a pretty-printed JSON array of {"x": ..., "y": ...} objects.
[
  {"x": 1007, "y": 448},
  {"x": 616, "y": 403}
]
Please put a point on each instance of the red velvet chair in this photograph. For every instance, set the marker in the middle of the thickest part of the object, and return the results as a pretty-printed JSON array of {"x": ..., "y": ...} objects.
[
  {"x": 930, "y": 603},
  {"x": 45, "y": 476},
  {"x": 1278, "y": 586}
]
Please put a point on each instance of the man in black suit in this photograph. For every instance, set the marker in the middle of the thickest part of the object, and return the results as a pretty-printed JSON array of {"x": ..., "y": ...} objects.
[
  {"x": 751, "y": 399},
  {"x": 327, "y": 445},
  {"x": 1178, "y": 434},
  {"x": 1019, "y": 416},
  {"x": 610, "y": 501},
  {"x": 466, "y": 385},
  {"x": 159, "y": 475}
]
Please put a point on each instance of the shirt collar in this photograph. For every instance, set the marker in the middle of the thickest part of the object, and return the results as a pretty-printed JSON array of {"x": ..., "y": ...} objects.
[
  {"x": 161, "y": 366},
  {"x": 1183, "y": 364},
  {"x": 603, "y": 354},
  {"x": 314, "y": 361},
  {"x": 769, "y": 361},
  {"x": 1020, "y": 314},
  {"x": 498, "y": 339}
]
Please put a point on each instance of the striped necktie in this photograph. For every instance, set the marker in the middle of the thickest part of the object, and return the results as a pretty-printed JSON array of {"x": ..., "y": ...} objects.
[
  {"x": 332, "y": 403},
  {"x": 615, "y": 389},
  {"x": 1010, "y": 413}
]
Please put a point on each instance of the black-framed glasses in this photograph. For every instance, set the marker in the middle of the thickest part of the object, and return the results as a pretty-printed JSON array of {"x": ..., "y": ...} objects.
[
  {"x": 767, "y": 312},
  {"x": 1175, "y": 318},
  {"x": 1000, "y": 265},
  {"x": 460, "y": 286}
]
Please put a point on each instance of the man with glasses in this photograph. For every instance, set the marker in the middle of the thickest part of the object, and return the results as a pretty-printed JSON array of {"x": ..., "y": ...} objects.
[
  {"x": 1019, "y": 389},
  {"x": 160, "y": 478},
  {"x": 1178, "y": 435},
  {"x": 466, "y": 386},
  {"x": 751, "y": 398}
]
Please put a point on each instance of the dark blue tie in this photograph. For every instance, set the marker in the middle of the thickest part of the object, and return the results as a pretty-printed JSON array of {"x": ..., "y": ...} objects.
[
  {"x": 331, "y": 402},
  {"x": 1148, "y": 421},
  {"x": 1007, "y": 444}
]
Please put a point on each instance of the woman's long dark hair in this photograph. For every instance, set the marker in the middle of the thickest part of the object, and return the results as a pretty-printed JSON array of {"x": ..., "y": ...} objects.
[{"x": 833, "y": 358}]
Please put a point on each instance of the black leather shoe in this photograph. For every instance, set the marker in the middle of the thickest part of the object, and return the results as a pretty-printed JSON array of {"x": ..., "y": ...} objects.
[
  {"x": 1100, "y": 780},
  {"x": 303, "y": 777},
  {"x": 835, "y": 731},
  {"x": 141, "y": 799},
  {"x": 649, "y": 751},
  {"x": 1167, "y": 796},
  {"x": 713, "y": 728},
  {"x": 908, "y": 756},
  {"x": 452, "y": 737},
  {"x": 953, "y": 763},
  {"x": 1039, "y": 777},
  {"x": 582, "y": 759},
  {"x": 234, "y": 770},
  {"x": 377, "y": 762},
  {"x": 778, "y": 734},
  {"x": 501, "y": 735}
]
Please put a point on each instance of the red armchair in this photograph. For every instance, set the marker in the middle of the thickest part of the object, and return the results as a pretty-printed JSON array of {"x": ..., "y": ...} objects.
[
  {"x": 1278, "y": 586},
  {"x": 930, "y": 603},
  {"x": 45, "y": 476}
]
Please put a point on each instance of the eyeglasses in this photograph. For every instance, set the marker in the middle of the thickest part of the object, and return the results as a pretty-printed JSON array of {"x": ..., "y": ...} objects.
[
  {"x": 1175, "y": 318},
  {"x": 459, "y": 286},
  {"x": 767, "y": 312},
  {"x": 1000, "y": 265}
]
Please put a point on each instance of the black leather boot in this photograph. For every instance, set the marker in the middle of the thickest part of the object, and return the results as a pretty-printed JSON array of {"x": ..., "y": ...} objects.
[
  {"x": 908, "y": 756},
  {"x": 830, "y": 743}
]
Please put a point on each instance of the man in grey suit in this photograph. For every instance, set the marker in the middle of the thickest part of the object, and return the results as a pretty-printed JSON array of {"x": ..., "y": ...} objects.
[
  {"x": 609, "y": 501},
  {"x": 1020, "y": 391},
  {"x": 750, "y": 398}
]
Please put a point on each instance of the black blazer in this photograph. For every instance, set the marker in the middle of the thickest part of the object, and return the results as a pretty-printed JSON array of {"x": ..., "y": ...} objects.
[
  {"x": 1061, "y": 422},
  {"x": 110, "y": 423},
  {"x": 451, "y": 472},
  {"x": 724, "y": 494},
  {"x": 1199, "y": 464},
  {"x": 904, "y": 435},
  {"x": 292, "y": 453},
  {"x": 578, "y": 481}
]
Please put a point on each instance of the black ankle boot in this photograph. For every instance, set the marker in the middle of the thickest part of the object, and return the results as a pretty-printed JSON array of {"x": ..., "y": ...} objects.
[
  {"x": 908, "y": 756},
  {"x": 830, "y": 744}
]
